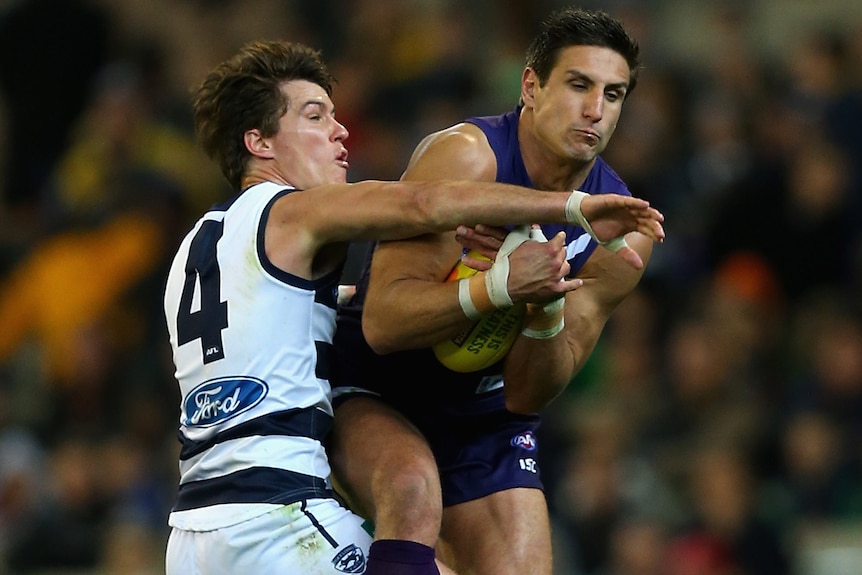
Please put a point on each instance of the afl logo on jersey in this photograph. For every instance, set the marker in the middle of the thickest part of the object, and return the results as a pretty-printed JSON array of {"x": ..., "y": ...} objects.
[
  {"x": 220, "y": 399},
  {"x": 525, "y": 440}
]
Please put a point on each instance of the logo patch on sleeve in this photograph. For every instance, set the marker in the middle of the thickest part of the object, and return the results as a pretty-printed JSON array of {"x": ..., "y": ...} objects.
[{"x": 525, "y": 440}]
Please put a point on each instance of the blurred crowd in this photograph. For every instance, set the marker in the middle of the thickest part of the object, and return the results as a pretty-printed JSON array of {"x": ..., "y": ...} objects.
[{"x": 717, "y": 429}]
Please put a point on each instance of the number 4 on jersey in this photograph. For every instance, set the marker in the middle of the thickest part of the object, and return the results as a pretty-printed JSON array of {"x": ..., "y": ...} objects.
[{"x": 202, "y": 269}]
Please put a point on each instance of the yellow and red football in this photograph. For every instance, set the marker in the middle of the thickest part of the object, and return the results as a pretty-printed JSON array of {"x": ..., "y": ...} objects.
[{"x": 487, "y": 340}]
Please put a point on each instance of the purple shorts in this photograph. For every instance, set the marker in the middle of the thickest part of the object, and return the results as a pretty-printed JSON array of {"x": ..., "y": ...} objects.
[{"x": 480, "y": 446}]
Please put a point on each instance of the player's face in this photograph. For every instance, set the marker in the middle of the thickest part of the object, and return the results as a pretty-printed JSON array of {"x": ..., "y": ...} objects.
[
  {"x": 309, "y": 146},
  {"x": 577, "y": 110}
]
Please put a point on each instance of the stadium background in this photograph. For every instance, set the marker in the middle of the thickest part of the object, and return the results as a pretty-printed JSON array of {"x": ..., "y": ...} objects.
[{"x": 716, "y": 430}]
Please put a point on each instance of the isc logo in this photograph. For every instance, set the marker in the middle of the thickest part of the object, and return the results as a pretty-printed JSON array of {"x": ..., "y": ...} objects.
[{"x": 529, "y": 464}]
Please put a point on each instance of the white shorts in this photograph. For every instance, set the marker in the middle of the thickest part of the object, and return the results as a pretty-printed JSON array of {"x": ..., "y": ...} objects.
[{"x": 313, "y": 537}]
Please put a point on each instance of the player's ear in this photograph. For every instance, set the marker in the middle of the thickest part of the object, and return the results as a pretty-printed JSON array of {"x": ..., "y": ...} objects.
[
  {"x": 256, "y": 144},
  {"x": 529, "y": 83}
]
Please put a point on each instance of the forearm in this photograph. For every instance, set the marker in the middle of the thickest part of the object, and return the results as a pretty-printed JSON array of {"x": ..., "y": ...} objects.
[
  {"x": 408, "y": 312},
  {"x": 543, "y": 368},
  {"x": 497, "y": 204},
  {"x": 538, "y": 370},
  {"x": 397, "y": 210},
  {"x": 403, "y": 319}
]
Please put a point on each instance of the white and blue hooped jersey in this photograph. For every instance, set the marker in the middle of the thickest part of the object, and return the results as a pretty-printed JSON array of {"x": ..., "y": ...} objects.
[{"x": 251, "y": 348}]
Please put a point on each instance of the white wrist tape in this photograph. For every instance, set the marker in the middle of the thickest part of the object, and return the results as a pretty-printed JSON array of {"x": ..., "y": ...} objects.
[
  {"x": 574, "y": 215},
  {"x": 545, "y": 333},
  {"x": 466, "y": 300},
  {"x": 497, "y": 278},
  {"x": 553, "y": 307}
]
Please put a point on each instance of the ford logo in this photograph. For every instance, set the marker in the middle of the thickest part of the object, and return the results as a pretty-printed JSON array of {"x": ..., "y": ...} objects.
[{"x": 220, "y": 399}]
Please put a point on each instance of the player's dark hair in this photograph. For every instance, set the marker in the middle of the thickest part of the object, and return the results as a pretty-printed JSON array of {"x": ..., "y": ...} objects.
[
  {"x": 577, "y": 27},
  {"x": 244, "y": 93}
]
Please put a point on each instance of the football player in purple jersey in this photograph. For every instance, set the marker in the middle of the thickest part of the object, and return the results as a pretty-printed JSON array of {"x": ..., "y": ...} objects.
[{"x": 410, "y": 434}]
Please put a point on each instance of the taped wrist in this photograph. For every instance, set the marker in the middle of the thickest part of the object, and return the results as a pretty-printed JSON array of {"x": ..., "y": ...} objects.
[
  {"x": 473, "y": 296},
  {"x": 466, "y": 300},
  {"x": 574, "y": 215},
  {"x": 555, "y": 306},
  {"x": 496, "y": 283},
  {"x": 539, "y": 324}
]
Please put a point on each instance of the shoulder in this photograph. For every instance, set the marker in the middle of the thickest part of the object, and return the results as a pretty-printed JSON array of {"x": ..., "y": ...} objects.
[
  {"x": 605, "y": 180},
  {"x": 458, "y": 152},
  {"x": 460, "y": 138}
]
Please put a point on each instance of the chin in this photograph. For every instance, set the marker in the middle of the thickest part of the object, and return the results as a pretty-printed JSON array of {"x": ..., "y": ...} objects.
[
  {"x": 583, "y": 152},
  {"x": 583, "y": 157}
]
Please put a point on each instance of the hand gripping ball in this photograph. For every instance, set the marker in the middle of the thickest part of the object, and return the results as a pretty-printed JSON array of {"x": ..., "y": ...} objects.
[{"x": 487, "y": 340}]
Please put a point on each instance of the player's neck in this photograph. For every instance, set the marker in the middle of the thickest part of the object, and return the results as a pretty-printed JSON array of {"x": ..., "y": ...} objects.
[
  {"x": 548, "y": 169},
  {"x": 256, "y": 177}
]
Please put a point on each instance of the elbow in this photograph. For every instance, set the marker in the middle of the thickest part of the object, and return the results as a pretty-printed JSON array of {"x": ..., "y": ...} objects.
[
  {"x": 528, "y": 396},
  {"x": 376, "y": 338}
]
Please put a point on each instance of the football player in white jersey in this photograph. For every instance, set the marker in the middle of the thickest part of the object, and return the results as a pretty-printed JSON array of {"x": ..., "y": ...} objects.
[{"x": 250, "y": 307}]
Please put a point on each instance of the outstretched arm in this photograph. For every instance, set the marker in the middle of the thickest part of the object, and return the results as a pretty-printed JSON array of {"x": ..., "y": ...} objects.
[{"x": 302, "y": 223}]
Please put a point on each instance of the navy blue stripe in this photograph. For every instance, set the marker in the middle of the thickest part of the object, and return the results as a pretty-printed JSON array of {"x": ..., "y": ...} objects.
[
  {"x": 326, "y": 284},
  {"x": 307, "y": 422},
  {"x": 255, "y": 485},
  {"x": 323, "y": 367}
]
